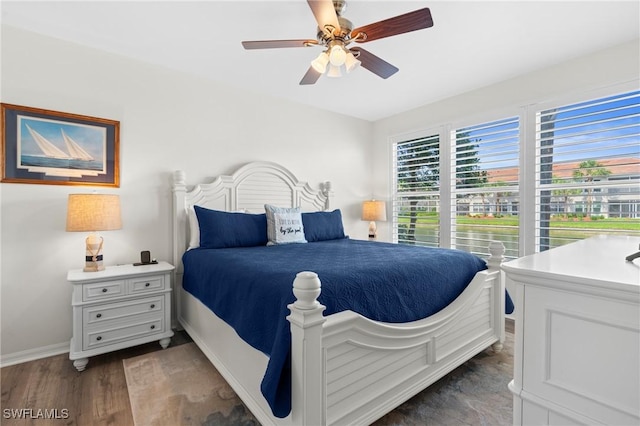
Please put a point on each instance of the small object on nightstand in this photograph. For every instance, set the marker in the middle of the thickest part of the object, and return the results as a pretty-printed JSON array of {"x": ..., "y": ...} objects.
[
  {"x": 119, "y": 307},
  {"x": 145, "y": 259}
]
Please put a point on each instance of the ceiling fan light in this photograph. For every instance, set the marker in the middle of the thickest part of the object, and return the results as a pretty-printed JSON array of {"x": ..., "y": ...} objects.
[
  {"x": 320, "y": 63},
  {"x": 337, "y": 55},
  {"x": 351, "y": 62},
  {"x": 334, "y": 71}
]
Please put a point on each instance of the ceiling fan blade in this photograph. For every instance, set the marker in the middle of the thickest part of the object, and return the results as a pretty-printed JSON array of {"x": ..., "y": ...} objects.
[
  {"x": 310, "y": 77},
  {"x": 274, "y": 44},
  {"x": 324, "y": 13},
  {"x": 374, "y": 64},
  {"x": 412, "y": 21}
]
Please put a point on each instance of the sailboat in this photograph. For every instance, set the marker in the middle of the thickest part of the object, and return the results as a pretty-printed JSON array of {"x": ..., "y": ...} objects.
[
  {"x": 47, "y": 148},
  {"x": 50, "y": 150},
  {"x": 75, "y": 150}
]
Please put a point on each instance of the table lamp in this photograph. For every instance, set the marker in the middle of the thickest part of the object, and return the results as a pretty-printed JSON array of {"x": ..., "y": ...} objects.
[
  {"x": 374, "y": 210},
  {"x": 91, "y": 213}
]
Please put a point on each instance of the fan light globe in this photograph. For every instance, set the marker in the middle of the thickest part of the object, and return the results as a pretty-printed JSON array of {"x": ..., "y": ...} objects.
[
  {"x": 334, "y": 71},
  {"x": 351, "y": 62},
  {"x": 320, "y": 63},
  {"x": 337, "y": 56}
]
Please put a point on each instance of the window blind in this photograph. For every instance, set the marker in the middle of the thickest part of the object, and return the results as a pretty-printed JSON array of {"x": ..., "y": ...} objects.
[
  {"x": 588, "y": 170},
  {"x": 416, "y": 191},
  {"x": 485, "y": 186}
]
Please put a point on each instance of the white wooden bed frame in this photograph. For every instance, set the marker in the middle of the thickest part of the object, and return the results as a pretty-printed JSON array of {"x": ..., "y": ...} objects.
[{"x": 346, "y": 369}]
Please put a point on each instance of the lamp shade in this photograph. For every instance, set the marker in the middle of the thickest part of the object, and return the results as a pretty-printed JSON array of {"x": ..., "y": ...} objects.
[
  {"x": 374, "y": 210},
  {"x": 93, "y": 212}
]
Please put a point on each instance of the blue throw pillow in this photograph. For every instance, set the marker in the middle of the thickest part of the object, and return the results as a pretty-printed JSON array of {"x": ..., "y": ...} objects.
[
  {"x": 321, "y": 226},
  {"x": 219, "y": 229}
]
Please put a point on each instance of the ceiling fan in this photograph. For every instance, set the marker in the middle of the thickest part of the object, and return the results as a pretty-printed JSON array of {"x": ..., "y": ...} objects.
[{"x": 335, "y": 33}]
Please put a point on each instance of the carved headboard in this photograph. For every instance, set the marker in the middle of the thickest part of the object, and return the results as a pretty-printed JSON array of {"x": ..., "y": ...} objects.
[{"x": 248, "y": 188}]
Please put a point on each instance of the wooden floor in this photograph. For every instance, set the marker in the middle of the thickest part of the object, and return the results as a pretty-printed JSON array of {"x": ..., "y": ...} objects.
[{"x": 96, "y": 396}]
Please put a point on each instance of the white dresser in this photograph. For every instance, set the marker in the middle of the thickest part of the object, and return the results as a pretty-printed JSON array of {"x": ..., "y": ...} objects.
[
  {"x": 577, "y": 349},
  {"x": 119, "y": 307}
]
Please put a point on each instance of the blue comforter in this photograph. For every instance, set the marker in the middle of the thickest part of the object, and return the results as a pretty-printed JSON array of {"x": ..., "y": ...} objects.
[{"x": 250, "y": 288}]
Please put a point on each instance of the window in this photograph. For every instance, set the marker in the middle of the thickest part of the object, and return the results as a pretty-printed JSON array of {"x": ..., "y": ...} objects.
[
  {"x": 484, "y": 186},
  {"x": 574, "y": 174},
  {"x": 417, "y": 191},
  {"x": 588, "y": 170}
]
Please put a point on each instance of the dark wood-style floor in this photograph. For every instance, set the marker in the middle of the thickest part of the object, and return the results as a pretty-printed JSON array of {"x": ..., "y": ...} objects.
[{"x": 96, "y": 396}]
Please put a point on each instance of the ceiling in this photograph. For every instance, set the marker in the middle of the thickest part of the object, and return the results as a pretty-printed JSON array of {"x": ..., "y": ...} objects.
[{"x": 472, "y": 43}]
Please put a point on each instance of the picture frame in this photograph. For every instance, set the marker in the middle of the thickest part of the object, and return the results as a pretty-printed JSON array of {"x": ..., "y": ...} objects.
[{"x": 40, "y": 146}]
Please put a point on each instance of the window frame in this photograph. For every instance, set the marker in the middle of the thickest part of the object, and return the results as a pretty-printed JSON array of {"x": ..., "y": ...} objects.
[{"x": 527, "y": 156}]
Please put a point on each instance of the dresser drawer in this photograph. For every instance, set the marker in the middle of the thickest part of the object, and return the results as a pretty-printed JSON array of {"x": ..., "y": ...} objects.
[
  {"x": 94, "y": 338},
  {"x": 146, "y": 284},
  {"x": 94, "y": 315},
  {"x": 103, "y": 290}
]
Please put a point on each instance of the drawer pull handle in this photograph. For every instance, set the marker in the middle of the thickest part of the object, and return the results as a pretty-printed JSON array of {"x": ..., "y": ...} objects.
[
  {"x": 153, "y": 326},
  {"x": 99, "y": 338},
  {"x": 147, "y": 284},
  {"x": 98, "y": 315},
  {"x": 153, "y": 306},
  {"x": 104, "y": 290}
]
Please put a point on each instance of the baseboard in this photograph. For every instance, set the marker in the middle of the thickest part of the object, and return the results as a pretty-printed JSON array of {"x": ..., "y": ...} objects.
[{"x": 33, "y": 354}]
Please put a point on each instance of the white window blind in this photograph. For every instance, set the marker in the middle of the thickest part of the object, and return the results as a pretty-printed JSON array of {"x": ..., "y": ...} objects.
[
  {"x": 485, "y": 187},
  {"x": 416, "y": 191},
  {"x": 588, "y": 170}
]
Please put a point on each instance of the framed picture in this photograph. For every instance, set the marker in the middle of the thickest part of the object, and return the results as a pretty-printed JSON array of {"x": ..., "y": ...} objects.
[{"x": 58, "y": 148}]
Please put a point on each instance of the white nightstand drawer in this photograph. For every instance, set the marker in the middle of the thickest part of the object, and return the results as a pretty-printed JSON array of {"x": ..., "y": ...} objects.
[
  {"x": 96, "y": 338},
  {"x": 103, "y": 290},
  {"x": 102, "y": 313},
  {"x": 145, "y": 284}
]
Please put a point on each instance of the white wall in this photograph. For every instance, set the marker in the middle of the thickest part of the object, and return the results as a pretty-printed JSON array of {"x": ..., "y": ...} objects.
[
  {"x": 168, "y": 121},
  {"x": 592, "y": 73}
]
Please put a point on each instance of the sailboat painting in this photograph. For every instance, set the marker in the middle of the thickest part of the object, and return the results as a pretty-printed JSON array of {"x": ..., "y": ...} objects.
[{"x": 58, "y": 148}]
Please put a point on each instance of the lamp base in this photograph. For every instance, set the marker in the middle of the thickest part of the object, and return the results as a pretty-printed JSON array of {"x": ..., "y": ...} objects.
[
  {"x": 93, "y": 255},
  {"x": 372, "y": 230}
]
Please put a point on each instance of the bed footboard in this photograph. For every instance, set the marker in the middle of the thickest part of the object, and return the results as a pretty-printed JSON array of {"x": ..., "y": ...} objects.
[{"x": 347, "y": 369}]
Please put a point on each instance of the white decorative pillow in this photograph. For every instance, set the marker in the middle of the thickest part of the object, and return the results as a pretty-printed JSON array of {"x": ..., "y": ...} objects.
[
  {"x": 194, "y": 229},
  {"x": 284, "y": 225}
]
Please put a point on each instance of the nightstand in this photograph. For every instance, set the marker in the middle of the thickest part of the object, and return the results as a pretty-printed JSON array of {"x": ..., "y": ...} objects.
[{"x": 119, "y": 307}]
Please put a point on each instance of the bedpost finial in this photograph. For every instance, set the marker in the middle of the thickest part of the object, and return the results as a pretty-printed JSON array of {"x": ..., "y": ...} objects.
[
  {"x": 179, "y": 179},
  {"x": 306, "y": 288},
  {"x": 325, "y": 188},
  {"x": 179, "y": 176},
  {"x": 496, "y": 250}
]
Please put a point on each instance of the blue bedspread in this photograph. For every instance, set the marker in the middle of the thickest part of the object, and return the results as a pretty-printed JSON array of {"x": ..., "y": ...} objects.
[{"x": 250, "y": 288}]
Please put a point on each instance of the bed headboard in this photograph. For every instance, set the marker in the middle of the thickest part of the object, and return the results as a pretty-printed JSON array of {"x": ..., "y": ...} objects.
[{"x": 248, "y": 188}]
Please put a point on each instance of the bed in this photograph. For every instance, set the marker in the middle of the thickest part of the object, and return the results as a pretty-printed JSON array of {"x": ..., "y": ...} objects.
[{"x": 344, "y": 367}]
